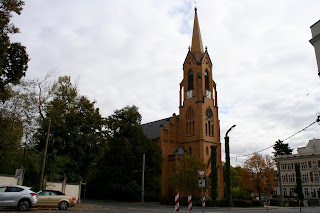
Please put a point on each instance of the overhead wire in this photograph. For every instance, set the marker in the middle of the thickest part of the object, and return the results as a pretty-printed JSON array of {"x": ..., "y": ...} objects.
[
  {"x": 240, "y": 156},
  {"x": 298, "y": 103}
]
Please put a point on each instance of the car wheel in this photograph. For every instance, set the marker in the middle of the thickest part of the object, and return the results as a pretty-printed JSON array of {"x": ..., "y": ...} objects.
[
  {"x": 63, "y": 205},
  {"x": 24, "y": 205}
]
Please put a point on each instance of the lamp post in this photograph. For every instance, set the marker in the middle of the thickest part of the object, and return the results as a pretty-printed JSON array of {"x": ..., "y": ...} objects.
[{"x": 228, "y": 181}]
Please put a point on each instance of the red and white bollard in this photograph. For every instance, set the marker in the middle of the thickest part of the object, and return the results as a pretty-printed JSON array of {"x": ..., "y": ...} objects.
[
  {"x": 204, "y": 202},
  {"x": 189, "y": 202},
  {"x": 176, "y": 199}
]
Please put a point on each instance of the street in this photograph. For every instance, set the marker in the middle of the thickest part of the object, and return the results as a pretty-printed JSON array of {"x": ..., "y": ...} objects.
[{"x": 124, "y": 207}]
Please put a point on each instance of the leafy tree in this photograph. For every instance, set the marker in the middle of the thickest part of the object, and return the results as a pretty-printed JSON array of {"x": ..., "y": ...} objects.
[
  {"x": 13, "y": 56},
  {"x": 11, "y": 131},
  {"x": 238, "y": 187},
  {"x": 119, "y": 171},
  {"x": 214, "y": 173},
  {"x": 298, "y": 188},
  {"x": 281, "y": 148},
  {"x": 76, "y": 134},
  {"x": 185, "y": 178},
  {"x": 258, "y": 173}
]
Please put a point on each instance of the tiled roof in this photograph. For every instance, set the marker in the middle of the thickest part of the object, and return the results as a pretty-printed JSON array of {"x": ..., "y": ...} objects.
[{"x": 152, "y": 129}]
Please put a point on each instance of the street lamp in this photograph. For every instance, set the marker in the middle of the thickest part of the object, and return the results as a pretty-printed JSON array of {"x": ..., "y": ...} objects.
[{"x": 228, "y": 181}]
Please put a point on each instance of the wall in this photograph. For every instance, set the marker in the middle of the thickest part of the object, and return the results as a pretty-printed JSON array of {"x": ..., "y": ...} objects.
[{"x": 8, "y": 180}]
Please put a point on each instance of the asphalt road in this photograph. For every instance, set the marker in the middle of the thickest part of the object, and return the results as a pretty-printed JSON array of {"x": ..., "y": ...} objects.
[{"x": 121, "y": 207}]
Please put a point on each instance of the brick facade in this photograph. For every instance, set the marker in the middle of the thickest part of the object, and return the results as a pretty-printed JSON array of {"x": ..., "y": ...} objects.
[{"x": 197, "y": 127}]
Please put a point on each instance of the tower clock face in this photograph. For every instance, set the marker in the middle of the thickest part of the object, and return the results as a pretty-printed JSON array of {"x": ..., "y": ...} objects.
[{"x": 209, "y": 113}]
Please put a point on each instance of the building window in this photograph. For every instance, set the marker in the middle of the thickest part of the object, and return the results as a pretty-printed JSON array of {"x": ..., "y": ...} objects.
[
  {"x": 316, "y": 177},
  {"x": 291, "y": 192},
  {"x": 207, "y": 151},
  {"x": 290, "y": 179},
  {"x": 283, "y": 178},
  {"x": 193, "y": 127},
  {"x": 304, "y": 178},
  {"x": 190, "y": 80},
  {"x": 187, "y": 128},
  {"x": 303, "y": 165},
  {"x": 289, "y": 166},
  {"x": 190, "y": 150},
  {"x": 282, "y": 166},
  {"x": 306, "y": 191},
  {"x": 206, "y": 79},
  {"x": 284, "y": 192},
  {"x": 314, "y": 164}
]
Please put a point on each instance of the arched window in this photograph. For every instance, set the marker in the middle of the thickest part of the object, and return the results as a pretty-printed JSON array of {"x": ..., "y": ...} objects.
[
  {"x": 190, "y": 80},
  {"x": 209, "y": 129},
  {"x": 192, "y": 127},
  {"x": 187, "y": 125},
  {"x": 206, "y": 80}
]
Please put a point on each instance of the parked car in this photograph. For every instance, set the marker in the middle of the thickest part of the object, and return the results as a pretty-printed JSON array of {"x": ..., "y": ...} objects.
[
  {"x": 55, "y": 199},
  {"x": 20, "y": 197}
]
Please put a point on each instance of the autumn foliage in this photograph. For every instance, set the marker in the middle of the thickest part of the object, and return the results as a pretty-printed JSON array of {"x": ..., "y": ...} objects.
[{"x": 258, "y": 174}]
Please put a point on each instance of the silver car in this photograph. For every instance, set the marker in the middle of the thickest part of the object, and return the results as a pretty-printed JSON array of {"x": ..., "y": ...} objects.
[{"x": 20, "y": 197}]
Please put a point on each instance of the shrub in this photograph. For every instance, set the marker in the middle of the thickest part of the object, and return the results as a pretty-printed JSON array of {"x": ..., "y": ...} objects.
[
  {"x": 256, "y": 203},
  {"x": 275, "y": 202},
  {"x": 240, "y": 203}
]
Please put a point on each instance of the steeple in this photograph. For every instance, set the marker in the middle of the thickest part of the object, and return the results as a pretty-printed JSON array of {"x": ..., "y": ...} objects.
[{"x": 196, "y": 46}]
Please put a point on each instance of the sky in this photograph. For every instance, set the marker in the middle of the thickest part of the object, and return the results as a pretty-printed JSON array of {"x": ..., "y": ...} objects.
[{"x": 131, "y": 53}]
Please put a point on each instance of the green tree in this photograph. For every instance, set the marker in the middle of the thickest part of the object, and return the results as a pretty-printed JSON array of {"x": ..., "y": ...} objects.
[
  {"x": 11, "y": 132},
  {"x": 185, "y": 178},
  {"x": 76, "y": 134},
  {"x": 119, "y": 172},
  {"x": 214, "y": 173},
  {"x": 298, "y": 188},
  {"x": 13, "y": 56},
  {"x": 281, "y": 148}
]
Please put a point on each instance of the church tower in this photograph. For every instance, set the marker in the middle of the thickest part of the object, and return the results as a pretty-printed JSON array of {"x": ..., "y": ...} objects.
[
  {"x": 197, "y": 127},
  {"x": 198, "y": 113}
]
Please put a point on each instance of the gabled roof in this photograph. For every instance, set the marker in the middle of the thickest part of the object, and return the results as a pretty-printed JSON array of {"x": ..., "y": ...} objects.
[
  {"x": 202, "y": 57},
  {"x": 152, "y": 129}
]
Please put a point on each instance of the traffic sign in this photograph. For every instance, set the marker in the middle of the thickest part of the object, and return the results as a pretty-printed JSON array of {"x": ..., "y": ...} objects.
[
  {"x": 19, "y": 174},
  {"x": 202, "y": 182},
  {"x": 201, "y": 173}
]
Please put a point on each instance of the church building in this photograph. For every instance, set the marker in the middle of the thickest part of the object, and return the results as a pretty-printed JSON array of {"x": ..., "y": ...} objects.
[{"x": 197, "y": 127}]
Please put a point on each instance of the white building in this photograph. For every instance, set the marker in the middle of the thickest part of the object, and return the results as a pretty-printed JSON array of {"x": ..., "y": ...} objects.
[
  {"x": 309, "y": 160},
  {"x": 315, "y": 41}
]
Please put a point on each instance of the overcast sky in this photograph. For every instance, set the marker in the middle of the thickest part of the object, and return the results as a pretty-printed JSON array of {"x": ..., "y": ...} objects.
[{"x": 131, "y": 53}]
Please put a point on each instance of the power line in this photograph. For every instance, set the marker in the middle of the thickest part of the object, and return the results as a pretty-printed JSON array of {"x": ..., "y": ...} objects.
[
  {"x": 318, "y": 120},
  {"x": 298, "y": 103}
]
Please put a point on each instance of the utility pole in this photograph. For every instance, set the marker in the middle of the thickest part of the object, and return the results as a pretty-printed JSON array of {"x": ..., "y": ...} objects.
[
  {"x": 228, "y": 179},
  {"x": 45, "y": 155},
  {"x": 142, "y": 185}
]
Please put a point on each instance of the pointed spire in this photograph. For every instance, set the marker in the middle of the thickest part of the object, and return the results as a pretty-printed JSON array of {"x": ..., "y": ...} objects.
[{"x": 196, "y": 46}]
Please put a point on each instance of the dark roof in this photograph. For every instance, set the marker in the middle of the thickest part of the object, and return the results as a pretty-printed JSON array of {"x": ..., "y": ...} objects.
[{"x": 152, "y": 129}]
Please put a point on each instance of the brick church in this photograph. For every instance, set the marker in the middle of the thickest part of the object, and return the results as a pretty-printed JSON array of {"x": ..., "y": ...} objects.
[{"x": 197, "y": 127}]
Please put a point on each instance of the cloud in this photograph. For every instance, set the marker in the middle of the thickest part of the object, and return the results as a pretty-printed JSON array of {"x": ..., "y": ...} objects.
[{"x": 131, "y": 52}]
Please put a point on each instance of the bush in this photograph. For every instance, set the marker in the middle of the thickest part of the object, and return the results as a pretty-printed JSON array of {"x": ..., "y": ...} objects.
[
  {"x": 240, "y": 203},
  {"x": 275, "y": 202},
  {"x": 256, "y": 203},
  {"x": 167, "y": 201}
]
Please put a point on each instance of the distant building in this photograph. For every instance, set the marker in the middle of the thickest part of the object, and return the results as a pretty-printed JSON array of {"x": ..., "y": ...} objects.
[
  {"x": 309, "y": 160},
  {"x": 197, "y": 127},
  {"x": 315, "y": 41}
]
